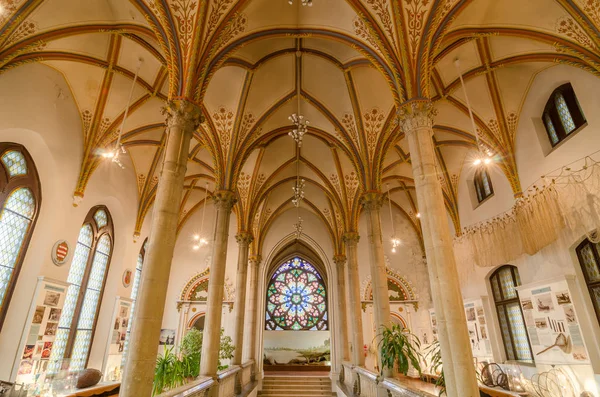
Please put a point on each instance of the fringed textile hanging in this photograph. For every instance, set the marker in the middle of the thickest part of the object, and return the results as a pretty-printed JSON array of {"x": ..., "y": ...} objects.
[{"x": 569, "y": 199}]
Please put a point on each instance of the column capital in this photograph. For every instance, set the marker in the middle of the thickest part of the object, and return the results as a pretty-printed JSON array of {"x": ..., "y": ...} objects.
[
  {"x": 183, "y": 113},
  {"x": 372, "y": 200},
  {"x": 254, "y": 260},
  {"x": 244, "y": 238},
  {"x": 224, "y": 199},
  {"x": 350, "y": 238},
  {"x": 416, "y": 113},
  {"x": 339, "y": 260}
]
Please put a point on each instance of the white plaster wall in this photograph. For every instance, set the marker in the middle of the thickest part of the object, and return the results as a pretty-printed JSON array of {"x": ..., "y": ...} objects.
[
  {"x": 558, "y": 258},
  {"x": 32, "y": 114}
]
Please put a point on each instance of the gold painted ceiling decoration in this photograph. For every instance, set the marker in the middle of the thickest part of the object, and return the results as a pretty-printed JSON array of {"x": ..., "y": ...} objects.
[{"x": 361, "y": 59}]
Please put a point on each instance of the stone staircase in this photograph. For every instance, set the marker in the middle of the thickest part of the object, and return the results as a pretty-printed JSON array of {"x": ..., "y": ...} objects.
[{"x": 301, "y": 386}]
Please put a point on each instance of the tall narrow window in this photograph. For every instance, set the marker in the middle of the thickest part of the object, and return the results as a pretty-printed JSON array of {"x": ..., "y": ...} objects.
[
  {"x": 589, "y": 259},
  {"x": 562, "y": 114},
  {"x": 514, "y": 334},
  {"x": 137, "y": 278},
  {"x": 86, "y": 280},
  {"x": 483, "y": 184},
  {"x": 296, "y": 298},
  {"x": 20, "y": 196}
]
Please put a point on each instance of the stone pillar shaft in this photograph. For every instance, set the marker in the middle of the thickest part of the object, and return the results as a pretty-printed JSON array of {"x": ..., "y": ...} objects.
[
  {"x": 183, "y": 119},
  {"x": 244, "y": 239},
  {"x": 340, "y": 261},
  {"x": 224, "y": 201},
  {"x": 417, "y": 122},
  {"x": 354, "y": 311},
  {"x": 250, "y": 332},
  {"x": 372, "y": 203}
]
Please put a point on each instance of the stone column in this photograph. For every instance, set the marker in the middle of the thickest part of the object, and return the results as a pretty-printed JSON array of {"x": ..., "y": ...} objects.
[
  {"x": 340, "y": 262},
  {"x": 224, "y": 201},
  {"x": 354, "y": 311},
  {"x": 183, "y": 119},
  {"x": 250, "y": 326},
  {"x": 244, "y": 239},
  {"x": 372, "y": 202},
  {"x": 416, "y": 119}
]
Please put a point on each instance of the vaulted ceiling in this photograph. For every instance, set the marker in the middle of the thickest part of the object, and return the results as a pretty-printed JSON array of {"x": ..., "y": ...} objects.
[{"x": 352, "y": 61}]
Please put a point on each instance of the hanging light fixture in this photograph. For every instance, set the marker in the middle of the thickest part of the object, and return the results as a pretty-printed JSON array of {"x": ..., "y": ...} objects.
[
  {"x": 297, "y": 133},
  {"x": 395, "y": 241},
  {"x": 484, "y": 155},
  {"x": 113, "y": 155},
  {"x": 303, "y": 2},
  {"x": 199, "y": 240}
]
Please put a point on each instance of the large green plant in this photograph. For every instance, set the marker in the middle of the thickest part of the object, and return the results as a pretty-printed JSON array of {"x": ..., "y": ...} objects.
[
  {"x": 399, "y": 348},
  {"x": 172, "y": 370},
  {"x": 434, "y": 354}
]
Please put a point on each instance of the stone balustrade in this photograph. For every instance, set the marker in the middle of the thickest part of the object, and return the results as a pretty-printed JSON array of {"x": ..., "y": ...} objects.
[
  {"x": 358, "y": 381},
  {"x": 197, "y": 388},
  {"x": 226, "y": 381}
]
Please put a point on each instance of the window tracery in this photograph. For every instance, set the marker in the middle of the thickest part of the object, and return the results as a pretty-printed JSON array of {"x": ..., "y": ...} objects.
[
  {"x": 512, "y": 325},
  {"x": 483, "y": 185},
  {"x": 562, "y": 115},
  {"x": 589, "y": 259},
  {"x": 19, "y": 203},
  {"x": 86, "y": 279},
  {"x": 296, "y": 298}
]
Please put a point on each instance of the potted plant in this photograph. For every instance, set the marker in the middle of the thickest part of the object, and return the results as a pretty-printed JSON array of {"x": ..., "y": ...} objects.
[
  {"x": 399, "y": 349},
  {"x": 435, "y": 366}
]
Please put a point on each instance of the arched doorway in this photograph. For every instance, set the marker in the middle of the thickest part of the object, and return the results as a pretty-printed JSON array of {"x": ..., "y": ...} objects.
[
  {"x": 197, "y": 322},
  {"x": 296, "y": 334}
]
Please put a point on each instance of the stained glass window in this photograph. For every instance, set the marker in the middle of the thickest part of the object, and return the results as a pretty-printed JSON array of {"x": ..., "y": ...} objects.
[
  {"x": 483, "y": 184},
  {"x": 18, "y": 210},
  {"x": 589, "y": 259},
  {"x": 551, "y": 129},
  {"x": 86, "y": 282},
  {"x": 296, "y": 298},
  {"x": 101, "y": 218},
  {"x": 15, "y": 221},
  {"x": 514, "y": 333},
  {"x": 15, "y": 163},
  {"x": 562, "y": 114}
]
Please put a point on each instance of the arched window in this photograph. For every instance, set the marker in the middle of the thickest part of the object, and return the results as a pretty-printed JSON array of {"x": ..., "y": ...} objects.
[
  {"x": 483, "y": 184},
  {"x": 589, "y": 259},
  {"x": 296, "y": 298},
  {"x": 514, "y": 334},
  {"x": 562, "y": 114},
  {"x": 20, "y": 197},
  {"x": 87, "y": 277}
]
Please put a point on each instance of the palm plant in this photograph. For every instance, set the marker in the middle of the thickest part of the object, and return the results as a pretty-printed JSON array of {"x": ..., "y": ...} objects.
[
  {"x": 164, "y": 370},
  {"x": 399, "y": 348}
]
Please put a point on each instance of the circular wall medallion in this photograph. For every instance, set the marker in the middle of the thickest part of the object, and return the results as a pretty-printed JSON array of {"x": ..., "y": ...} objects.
[
  {"x": 60, "y": 252},
  {"x": 127, "y": 278}
]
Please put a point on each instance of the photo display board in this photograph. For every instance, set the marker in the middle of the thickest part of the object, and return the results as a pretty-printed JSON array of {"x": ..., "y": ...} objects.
[
  {"x": 117, "y": 336},
  {"x": 478, "y": 330},
  {"x": 40, "y": 330},
  {"x": 552, "y": 325}
]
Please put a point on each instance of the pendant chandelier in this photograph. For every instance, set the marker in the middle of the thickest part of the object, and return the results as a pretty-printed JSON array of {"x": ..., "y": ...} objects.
[
  {"x": 301, "y": 127},
  {"x": 199, "y": 239},
  {"x": 119, "y": 149},
  {"x": 303, "y": 2},
  {"x": 484, "y": 155}
]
